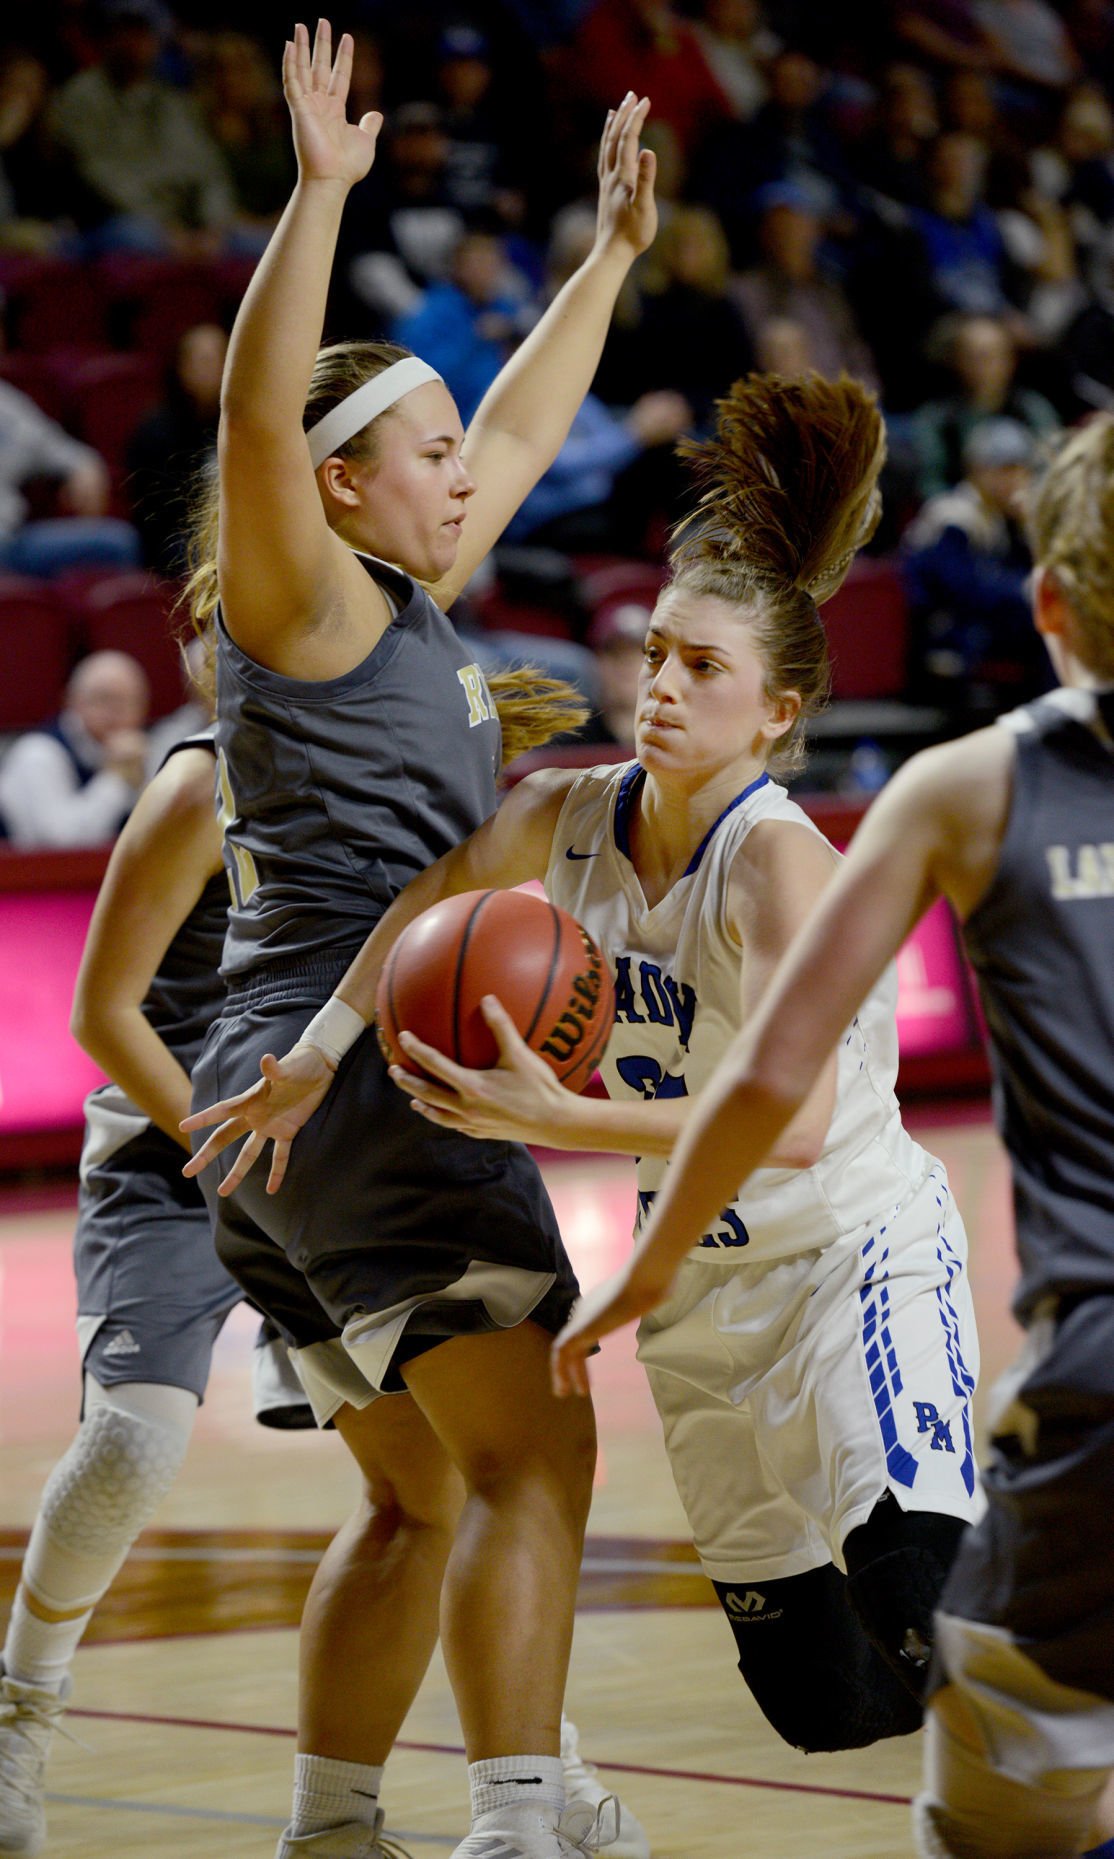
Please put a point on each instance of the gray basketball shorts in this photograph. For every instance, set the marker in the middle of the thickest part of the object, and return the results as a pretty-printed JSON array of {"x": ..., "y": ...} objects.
[
  {"x": 386, "y": 1230},
  {"x": 151, "y": 1293},
  {"x": 1040, "y": 1564}
]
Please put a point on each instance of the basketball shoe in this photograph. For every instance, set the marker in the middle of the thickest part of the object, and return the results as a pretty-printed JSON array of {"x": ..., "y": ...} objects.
[
  {"x": 583, "y": 1788},
  {"x": 523, "y": 1832},
  {"x": 28, "y": 1719},
  {"x": 354, "y": 1840}
]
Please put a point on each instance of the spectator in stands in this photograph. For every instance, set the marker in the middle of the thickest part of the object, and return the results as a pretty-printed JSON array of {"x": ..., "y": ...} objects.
[
  {"x": 790, "y": 282},
  {"x": 37, "y": 193},
  {"x": 603, "y": 489},
  {"x": 466, "y": 326},
  {"x": 155, "y": 175},
  {"x": 173, "y": 443},
  {"x": 74, "y": 781},
  {"x": 890, "y": 158},
  {"x": 617, "y": 636},
  {"x": 34, "y": 448},
  {"x": 242, "y": 109},
  {"x": 646, "y": 46},
  {"x": 482, "y": 174},
  {"x": 963, "y": 245},
  {"x": 692, "y": 336},
  {"x": 399, "y": 234},
  {"x": 967, "y": 566},
  {"x": 738, "y": 48},
  {"x": 1029, "y": 43},
  {"x": 982, "y": 355},
  {"x": 1086, "y": 349},
  {"x": 945, "y": 32}
]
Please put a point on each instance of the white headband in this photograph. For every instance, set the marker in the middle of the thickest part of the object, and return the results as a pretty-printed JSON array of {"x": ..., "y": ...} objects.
[{"x": 359, "y": 408}]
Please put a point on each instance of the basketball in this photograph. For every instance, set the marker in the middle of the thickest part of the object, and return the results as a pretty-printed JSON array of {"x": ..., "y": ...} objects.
[{"x": 535, "y": 958}]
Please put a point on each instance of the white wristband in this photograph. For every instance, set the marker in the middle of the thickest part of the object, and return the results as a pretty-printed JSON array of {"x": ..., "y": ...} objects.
[{"x": 333, "y": 1029}]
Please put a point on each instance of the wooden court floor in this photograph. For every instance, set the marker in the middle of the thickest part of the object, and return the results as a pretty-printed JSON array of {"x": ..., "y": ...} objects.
[{"x": 185, "y": 1687}]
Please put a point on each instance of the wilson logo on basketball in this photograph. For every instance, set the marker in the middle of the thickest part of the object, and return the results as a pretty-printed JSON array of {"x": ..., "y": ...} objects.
[
  {"x": 536, "y": 959},
  {"x": 579, "y": 1021}
]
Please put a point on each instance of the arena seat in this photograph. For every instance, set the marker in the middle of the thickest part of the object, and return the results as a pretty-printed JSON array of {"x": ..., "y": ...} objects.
[
  {"x": 867, "y": 623},
  {"x": 153, "y": 301},
  {"x": 36, "y": 648},
  {"x": 107, "y": 395},
  {"x": 37, "y": 377},
  {"x": 131, "y": 613},
  {"x": 53, "y": 303}
]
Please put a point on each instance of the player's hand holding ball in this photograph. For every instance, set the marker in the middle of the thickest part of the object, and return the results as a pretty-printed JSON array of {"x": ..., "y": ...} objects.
[{"x": 493, "y": 1008}]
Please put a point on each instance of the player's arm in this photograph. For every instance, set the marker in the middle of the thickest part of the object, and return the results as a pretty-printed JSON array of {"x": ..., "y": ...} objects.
[
  {"x": 282, "y": 571},
  {"x": 510, "y": 848},
  {"x": 779, "y": 875},
  {"x": 935, "y": 830},
  {"x": 524, "y": 418},
  {"x": 160, "y": 864}
]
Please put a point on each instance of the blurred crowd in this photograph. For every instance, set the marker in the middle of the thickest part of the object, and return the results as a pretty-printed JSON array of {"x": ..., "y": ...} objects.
[{"x": 920, "y": 192}]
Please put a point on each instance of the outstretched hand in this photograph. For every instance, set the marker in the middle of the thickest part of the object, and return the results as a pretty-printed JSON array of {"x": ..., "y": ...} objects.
[
  {"x": 328, "y": 146},
  {"x": 518, "y": 1100},
  {"x": 627, "y": 215},
  {"x": 274, "y": 1110},
  {"x": 620, "y": 1299}
]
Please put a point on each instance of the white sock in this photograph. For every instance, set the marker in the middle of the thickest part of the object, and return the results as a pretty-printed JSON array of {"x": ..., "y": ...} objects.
[
  {"x": 328, "y": 1792},
  {"x": 503, "y": 1782},
  {"x": 40, "y": 1652}
]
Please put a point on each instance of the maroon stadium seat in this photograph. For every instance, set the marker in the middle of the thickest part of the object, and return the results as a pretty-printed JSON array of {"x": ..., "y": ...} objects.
[
  {"x": 36, "y": 649},
  {"x": 867, "y": 624},
  {"x": 131, "y": 612}
]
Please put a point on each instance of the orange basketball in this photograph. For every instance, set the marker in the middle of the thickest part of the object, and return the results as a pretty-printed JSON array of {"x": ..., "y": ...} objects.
[{"x": 535, "y": 958}]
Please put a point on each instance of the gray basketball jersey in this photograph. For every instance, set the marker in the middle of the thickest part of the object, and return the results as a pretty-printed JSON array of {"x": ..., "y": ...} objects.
[
  {"x": 180, "y": 1005},
  {"x": 334, "y": 794},
  {"x": 1042, "y": 945}
]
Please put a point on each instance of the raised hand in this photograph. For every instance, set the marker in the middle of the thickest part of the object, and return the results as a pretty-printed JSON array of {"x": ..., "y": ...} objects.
[
  {"x": 627, "y": 215},
  {"x": 518, "y": 1100},
  {"x": 274, "y": 1110},
  {"x": 328, "y": 146}
]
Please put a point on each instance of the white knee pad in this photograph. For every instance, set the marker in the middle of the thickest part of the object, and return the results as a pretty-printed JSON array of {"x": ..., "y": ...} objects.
[
  {"x": 972, "y": 1811},
  {"x": 121, "y": 1463}
]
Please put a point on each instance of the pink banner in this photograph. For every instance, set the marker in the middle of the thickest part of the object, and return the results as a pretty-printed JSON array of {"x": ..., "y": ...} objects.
[{"x": 44, "y": 1074}]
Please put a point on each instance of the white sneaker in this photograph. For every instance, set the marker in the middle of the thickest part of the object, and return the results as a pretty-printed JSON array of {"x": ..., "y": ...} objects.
[
  {"x": 28, "y": 1719},
  {"x": 583, "y": 1788},
  {"x": 353, "y": 1840},
  {"x": 581, "y": 1829}
]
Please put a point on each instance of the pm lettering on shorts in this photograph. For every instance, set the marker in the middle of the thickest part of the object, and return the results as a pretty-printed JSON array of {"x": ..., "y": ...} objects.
[
  {"x": 481, "y": 704},
  {"x": 929, "y": 1421}
]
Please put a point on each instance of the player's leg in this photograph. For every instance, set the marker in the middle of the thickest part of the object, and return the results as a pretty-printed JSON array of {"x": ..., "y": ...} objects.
[
  {"x": 371, "y": 1613},
  {"x": 151, "y": 1299},
  {"x": 510, "y": 1585},
  {"x": 801, "y": 1651},
  {"x": 1021, "y": 1737},
  {"x": 108, "y": 1484}
]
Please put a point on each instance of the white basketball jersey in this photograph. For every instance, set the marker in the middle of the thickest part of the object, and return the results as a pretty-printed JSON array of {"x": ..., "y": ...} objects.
[{"x": 677, "y": 973}]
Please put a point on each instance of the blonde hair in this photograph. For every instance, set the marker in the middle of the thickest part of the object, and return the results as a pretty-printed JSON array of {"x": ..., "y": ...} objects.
[
  {"x": 789, "y": 494},
  {"x": 532, "y": 708},
  {"x": 1071, "y": 526}
]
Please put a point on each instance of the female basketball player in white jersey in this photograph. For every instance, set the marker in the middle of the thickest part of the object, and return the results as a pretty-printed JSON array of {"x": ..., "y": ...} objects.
[
  {"x": 814, "y": 1364},
  {"x": 357, "y": 743},
  {"x": 1014, "y": 826}
]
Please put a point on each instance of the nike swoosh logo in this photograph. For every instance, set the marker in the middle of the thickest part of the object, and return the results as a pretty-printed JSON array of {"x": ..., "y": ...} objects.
[
  {"x": 508, "y": 1781},
  {"x": 578, "y": 855}
]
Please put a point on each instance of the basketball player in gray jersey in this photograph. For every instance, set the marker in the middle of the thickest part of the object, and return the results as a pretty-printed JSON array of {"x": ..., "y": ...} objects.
[
  {"x": 1013, "y": 825},
  {"x": 357, "y": 743},
  {"x": 151, "y": 1292}
]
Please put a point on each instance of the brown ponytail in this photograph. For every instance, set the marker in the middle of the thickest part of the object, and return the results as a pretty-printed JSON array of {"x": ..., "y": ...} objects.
[{"x": 789, "y": 494}]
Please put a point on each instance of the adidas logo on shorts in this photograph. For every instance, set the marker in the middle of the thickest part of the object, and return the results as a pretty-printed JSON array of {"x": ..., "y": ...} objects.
[{"x": 123, "y": 1345}]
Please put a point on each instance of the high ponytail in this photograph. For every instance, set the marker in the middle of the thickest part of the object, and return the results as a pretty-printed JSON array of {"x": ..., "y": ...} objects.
[{"x": 789, "y": 494}]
